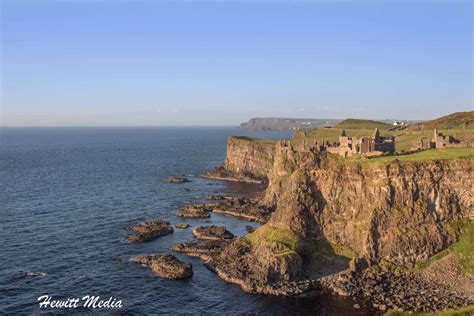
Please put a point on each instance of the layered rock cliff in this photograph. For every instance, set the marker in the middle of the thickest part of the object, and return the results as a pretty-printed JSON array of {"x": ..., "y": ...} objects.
[
  {"x": 402, "y": 213},
  {"x": 247, "y": 159},
  {"x": 330, "y": 210}
]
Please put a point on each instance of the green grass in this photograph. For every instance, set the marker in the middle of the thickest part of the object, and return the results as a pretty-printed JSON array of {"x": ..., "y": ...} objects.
[
  {"x": 459, "y": 120},
  {"x": 463, "y": 311},
  {"x": 256, "y": 140},
  {"x": 362, "y": 124},
  {"x": 436, "y": 257},
  {"x": 464, "y": 248},
  {"x": 432, "y": 154},
  {"x": 285, "y": 241}
]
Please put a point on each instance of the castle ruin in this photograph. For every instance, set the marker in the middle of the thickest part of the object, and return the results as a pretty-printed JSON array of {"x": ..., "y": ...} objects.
[
  {"x": 347, "y": 146},
  {"x": 440, "y": 141}
]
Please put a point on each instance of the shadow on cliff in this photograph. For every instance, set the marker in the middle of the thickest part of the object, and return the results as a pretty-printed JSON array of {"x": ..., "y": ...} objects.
[{"x": 321, "y": 258}]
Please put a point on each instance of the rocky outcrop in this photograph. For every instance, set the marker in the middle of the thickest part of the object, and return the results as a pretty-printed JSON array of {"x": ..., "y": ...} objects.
[
  {"x": 250, "y": 209},
  {"x": 203, "y": 249},
  {"x": 150, "y": 230},
  {"x": 194, "y": 211},
  {"x": 166, "y": 266},
  {"x": 398, "y": 291},
  {"x": 212, "y": 233},
  {"x": 330, "y": 211},
  {"x": 241, "y": 207},
  {"x": 247, "y": 159},
  {"x": 182, "y": 226},
  {"x": 399, "y": 213},
  {"x": 177, "y": 180}
]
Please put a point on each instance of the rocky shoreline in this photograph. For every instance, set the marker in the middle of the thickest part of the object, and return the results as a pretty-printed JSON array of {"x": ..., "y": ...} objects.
[
  {"x": 284, "y": 257},
  {"x": 220, "y": 173},
  {"x": 382, "y": 290},
  {"x": 397, "y": 291}
]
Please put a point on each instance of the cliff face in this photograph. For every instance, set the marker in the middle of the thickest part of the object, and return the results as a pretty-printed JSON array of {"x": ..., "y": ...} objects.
[
  {"x": 401, "y": 213},
  {"x": 250, "y": 156},
  {"x": 247, "y": 159},
  {"x": 329, "y": 209}
]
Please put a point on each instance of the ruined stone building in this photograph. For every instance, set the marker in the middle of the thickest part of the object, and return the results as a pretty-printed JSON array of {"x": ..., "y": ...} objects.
[
  {"x": 347, "y": 146},
  {"x": 440, "y": 141},
  {"x": 374, "y": 145}
]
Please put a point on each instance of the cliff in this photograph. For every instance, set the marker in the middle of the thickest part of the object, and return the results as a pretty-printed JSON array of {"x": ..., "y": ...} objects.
[
  {"x": 247, "y": 159},
  {"x": 399, "y": 213},
  {"x": 332, "y": 211}
]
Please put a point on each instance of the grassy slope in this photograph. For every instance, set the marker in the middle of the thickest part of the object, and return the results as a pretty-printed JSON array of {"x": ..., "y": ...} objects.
[
  {"x": 459, "y": 120},
  {"x": 362, "y": 125},
  {"x": 286, "y": 241},
  {"x": 464, "y": 249},
  {"x": 432, "y": 154}
]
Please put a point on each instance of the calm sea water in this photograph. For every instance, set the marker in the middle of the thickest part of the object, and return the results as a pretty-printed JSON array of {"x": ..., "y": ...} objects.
[{"x": 66, "y": 195}]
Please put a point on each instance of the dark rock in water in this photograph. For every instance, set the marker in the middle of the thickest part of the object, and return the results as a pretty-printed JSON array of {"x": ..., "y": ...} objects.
[
  {"x": 221, "y": 173},
  {"x": 150, "y": 230},
  {"x": 201, "y": 248},
  {"x": 177, "y": 180},
  {"x": 212, "y": 233},
  {"x": 194, "y": 211},
  {"x": 241, "y": 207},
  {"x": 217, "y": 197},
  {"x": 166, "y": 266},
  {"x": 182, "y": 226},
  {"x": 187, "y": 190}
]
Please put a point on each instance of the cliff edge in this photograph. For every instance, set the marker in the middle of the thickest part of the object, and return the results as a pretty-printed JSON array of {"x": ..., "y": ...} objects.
[{"x": 247, "y": 159}]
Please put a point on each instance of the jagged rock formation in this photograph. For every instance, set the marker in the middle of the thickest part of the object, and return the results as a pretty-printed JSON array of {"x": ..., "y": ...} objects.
[
  {"x": 194, "y": 211},
  {"x": 177, "y": 180},
  {"x": 149, "y": 230},
  {"x": 247, "y": 159},
  {"x": 166, "y": 266},
  {"x": 330, "y": 210},
  {"x": 212, "y": 233}
]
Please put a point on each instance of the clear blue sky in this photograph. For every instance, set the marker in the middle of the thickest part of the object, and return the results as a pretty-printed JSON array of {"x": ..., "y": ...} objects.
[{"x": 214, "y": 63}]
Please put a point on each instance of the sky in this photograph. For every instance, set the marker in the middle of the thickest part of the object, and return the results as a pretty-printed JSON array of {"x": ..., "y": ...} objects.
[{"x": 165, "y": 63}]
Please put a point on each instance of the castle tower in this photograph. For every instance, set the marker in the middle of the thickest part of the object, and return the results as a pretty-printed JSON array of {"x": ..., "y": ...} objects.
[
  {"x": 343, "y": 132},
  {"x": 376, "y": 135}
]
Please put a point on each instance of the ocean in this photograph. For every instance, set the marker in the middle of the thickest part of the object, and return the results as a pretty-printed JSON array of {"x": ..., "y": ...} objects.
[{"x": 66, "y": 195}]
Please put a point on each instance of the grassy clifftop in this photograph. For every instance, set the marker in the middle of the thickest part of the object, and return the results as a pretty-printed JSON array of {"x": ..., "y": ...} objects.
[
  {"x": 361, "y": 124},
  {"x": 432, "y": 154},
  {"x": 405, "y": 139}
]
